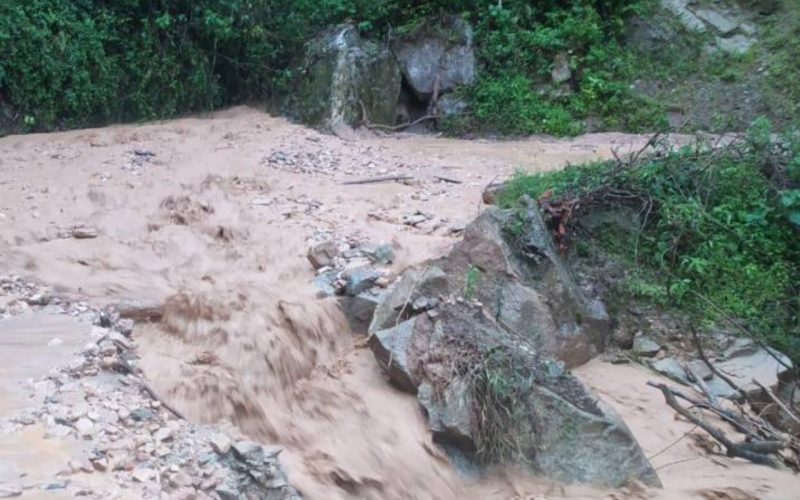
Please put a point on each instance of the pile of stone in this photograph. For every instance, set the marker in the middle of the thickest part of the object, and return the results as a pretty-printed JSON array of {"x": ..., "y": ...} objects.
[
  {"x": 19, "y": 296},
  {"x": 733, "y": 32},
  {"x": 140, "y": 444},
  {"x": 138, "y": 159},
  {"x": 356, "y": 271}
]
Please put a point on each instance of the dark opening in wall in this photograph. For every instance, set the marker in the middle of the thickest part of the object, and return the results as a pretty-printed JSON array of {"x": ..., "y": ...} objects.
[{"x": 409, "y": 107}]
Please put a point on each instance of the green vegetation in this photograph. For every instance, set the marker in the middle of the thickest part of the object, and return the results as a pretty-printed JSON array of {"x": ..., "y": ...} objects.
[
  {"x": 473, "y": 276},
  {"x": 716, "y": 230},
  {"x": 70, "y": 63}
]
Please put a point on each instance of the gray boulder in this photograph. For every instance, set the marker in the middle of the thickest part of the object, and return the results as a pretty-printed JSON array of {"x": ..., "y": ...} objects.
[
  {"x": 442, "y": 50},
  {"x": 322, "y": 254},
  {"x": 645, "y": 347},
  {"x": 339, "y": 73},
  {"x": 392, "y": 349},
  {"x": 550, "y": 418},
  {"x": 518, "y": 275},
  {"x": 561, "y": 71}
]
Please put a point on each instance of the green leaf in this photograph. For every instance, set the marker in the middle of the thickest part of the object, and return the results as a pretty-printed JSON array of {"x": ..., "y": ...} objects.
[{"x": 794, "y": 218}]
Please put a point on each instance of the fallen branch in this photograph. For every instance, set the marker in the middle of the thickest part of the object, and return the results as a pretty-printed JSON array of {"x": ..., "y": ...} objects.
[
  {"x": 754, "y": 451},
  {"x": 742, "y": 425},
  {"x": 448, "y": 179},
  {"x": 376, "y": 180},
  {"x": 699, "y": 345},
  {"x": 775, "y": 399},
  {"x": 402, "y": 126},
  {"x": 701, "y": 384}
]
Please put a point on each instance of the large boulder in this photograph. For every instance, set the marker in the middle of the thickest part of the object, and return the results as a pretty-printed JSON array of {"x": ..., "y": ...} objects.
[
  {"x": 443, "y": 49},
  {"x": 507, "y": 261},
  {"x": 491, "y": 396},
  {"x": 340, "y": 73}
]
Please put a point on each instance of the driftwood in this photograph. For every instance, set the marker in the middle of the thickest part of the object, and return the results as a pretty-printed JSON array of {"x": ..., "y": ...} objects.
[
  {"x": 701, "y": 384},
  {"x": 716, "y": 371},
  {"x": 743, "y": 426},
  {"x": 755, "y": 451},
  {"x": 402, "y": 126},
  {"x": 375, "y": 180},
  {"x": 448, "y": 179}
]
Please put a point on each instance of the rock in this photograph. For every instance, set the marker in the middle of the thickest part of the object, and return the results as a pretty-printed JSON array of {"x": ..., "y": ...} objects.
[
  {"x": 322, "y": 254},
  {"x": 458, "y": 227},
  {"x": 10, "y": 491},
  {"x": 680, "y": 9},
  {"x": 718, "y": 21},
  {"x": 622, "y": 338},
  {"x": 394, "y": 307},
  {"x": 557, "y": 423},
  {"x": 226, "y": 492},
  {"x": 379, "y": 254},
  {"x": 414, "y": 220},
  {"x": 340, "y": 71},
  {"x": 141, "y": 414},
  {"x": 220, "y": 443},
  {"x": 672, "y": 369},
  {"x": 745, "y": 361},
  {"x": 451, "y": 104},
  {"x": 143, "y": 475},
  {"x": 450, "y": 416},
  {"x": 124, "y": 326},
  {"x": 561, "y": 72},
  {"x": 645, "y": 347},
  {"x": 391, "y": 348},
  {"x": 491, "y": 192},
  {"x": 527, "y": 285},
  {"x": 737, "y": 44},
  {"x": 84, "y": 233},
  {"x": 443, "y": 50},
  {"x": 163, "y": 434},
  {"x": 180, "y": 480},
  {"x": 85, "y": 427},
  {"x": 57, "y": 432},
  {"x": 700, "y": 368},
  {"x": 39, "y": 299},
  {"x": 248, "y": 451},
  {"x": 360, "y": 280},
  {"x": 360, "y": 309},
  {"x": 100, "y": 464}
]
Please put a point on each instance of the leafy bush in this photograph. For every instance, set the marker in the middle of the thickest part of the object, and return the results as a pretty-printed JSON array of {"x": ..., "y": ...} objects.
[
  {"x": 720, "y": 228},
  {"x": 76, "y": 62}
]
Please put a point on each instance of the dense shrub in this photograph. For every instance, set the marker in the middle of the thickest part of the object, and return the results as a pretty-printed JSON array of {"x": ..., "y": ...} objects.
[
  {"x": 76, "y": 62},
  {"x": 720, "y": 233},
  {"x": 73, "y": 62}
]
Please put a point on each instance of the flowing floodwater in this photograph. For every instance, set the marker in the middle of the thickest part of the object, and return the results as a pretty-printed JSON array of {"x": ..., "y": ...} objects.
[{"x": 194, "y": 214}]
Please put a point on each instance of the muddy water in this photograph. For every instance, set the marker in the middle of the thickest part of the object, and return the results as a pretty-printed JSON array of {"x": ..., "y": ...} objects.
[
  {"x": 29, "y": 347},
  {"x": 283, "y": 364}
]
